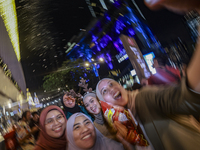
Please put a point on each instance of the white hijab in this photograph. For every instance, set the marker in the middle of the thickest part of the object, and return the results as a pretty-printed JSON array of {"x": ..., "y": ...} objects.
[
  {"x": 102, "y": 143},
  {"x": 97, "y": 89}
]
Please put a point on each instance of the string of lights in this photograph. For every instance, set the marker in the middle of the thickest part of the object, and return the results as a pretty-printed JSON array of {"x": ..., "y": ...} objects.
[{"x": 8, "y": 13}]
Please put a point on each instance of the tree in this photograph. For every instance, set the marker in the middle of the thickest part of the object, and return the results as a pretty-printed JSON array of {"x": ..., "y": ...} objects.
[{"x": 68, "y": 76}]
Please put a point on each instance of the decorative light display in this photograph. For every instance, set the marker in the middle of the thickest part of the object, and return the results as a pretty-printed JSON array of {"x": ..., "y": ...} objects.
[
  {"x": 8, "y": 13},
  {"x": 104, "y": 36},
  {"x": 149, "y": 60},
  {"x": 103, "y": 4},
  {"x": 193, "y": 22},
  {"x": 36, "y": 100},
  {"x": 29, "y": 97},
  {"x": 90, "y": 8},
  {"x": 8, "y": 73}
]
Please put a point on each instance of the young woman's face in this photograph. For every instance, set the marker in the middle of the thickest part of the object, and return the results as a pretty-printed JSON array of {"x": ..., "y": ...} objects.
[
  {"x": 69, "y": 101},
  {"x": 92, "y": 105},
  {"x": 55, "y": 124},
  {"x": 84, "y": 133},
  {"x": 113, "y": 92}
]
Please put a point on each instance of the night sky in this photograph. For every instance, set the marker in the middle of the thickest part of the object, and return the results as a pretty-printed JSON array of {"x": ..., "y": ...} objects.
[
  {"x": 165, "y": 25},
  {"x": 46, "y": 26}
]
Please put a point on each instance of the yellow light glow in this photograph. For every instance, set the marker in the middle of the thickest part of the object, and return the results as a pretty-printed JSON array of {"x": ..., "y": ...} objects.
[
  {"x": 9, "y": 15},
  {"x": 101, "y": 59},
  {"x": 87, "y": 64}
]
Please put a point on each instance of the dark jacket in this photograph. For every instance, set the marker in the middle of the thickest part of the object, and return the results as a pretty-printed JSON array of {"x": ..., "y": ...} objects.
[{"x": 83, "y": 110}]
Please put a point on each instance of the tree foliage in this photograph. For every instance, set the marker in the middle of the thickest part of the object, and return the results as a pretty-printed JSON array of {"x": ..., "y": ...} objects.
[{"x": 68, "y": 76}]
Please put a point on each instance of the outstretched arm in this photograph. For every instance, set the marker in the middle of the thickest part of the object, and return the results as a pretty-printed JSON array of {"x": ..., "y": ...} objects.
[{"x": 193, "y": 71}]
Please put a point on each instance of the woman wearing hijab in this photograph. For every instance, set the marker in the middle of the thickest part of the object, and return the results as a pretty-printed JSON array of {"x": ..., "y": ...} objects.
[
  {"x": 82, "y": 135},
  {"x": 70, "y": 106},
  {"x": 164, "y": 112},
  {"x": 93, "y": 107},
  {"x": 52, "y": 129}
]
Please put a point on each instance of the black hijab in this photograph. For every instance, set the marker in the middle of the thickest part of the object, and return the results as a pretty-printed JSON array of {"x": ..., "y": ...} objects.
[{"x": 73, "y": 110}]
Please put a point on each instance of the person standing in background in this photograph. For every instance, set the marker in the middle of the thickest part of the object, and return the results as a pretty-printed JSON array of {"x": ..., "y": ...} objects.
[
  {"x": 164, "y": 74},
  {"x": 34, "y": 125},
  {"x": 24, "y": 135}
]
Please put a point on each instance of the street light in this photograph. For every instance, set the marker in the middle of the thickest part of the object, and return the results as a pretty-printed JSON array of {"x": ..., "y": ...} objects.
[
  {"x": 95, "y": 65},
  {"x": 87, "y": 64},
  {"x": 101, "y": 59},
  {"x": 9, "y": 105}
]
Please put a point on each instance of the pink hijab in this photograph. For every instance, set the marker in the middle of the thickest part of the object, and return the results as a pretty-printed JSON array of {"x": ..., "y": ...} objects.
[{"x": 44, "y": 140}]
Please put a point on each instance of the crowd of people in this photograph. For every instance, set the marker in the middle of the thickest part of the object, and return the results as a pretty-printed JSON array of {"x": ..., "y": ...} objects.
[{"x": 164, "y": 109}]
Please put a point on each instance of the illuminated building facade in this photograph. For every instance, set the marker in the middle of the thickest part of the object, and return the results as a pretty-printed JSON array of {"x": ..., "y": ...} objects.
[
  {"x": 12, "y": 78},
  {"x": 103, "y": 40},
  {"x": 193, "y": 19}
]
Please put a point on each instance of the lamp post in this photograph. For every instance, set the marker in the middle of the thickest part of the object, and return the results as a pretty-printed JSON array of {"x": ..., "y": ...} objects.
[{"x": 95, "y": 65}]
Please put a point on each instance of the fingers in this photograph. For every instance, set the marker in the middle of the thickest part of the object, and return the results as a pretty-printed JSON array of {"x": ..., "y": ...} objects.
[
  {"x": 126, "y": 144},
  {"x": 119, "y": 108},
  {"x": 134, "y": 121},
  {"x": 121, "y": 129},
  {"x": 174, "y": 5},
  {"x": 154, "y": 4}
]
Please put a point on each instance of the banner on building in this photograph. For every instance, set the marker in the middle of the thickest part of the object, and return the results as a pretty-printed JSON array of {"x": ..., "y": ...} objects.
[{"x": 135, "y": 57}]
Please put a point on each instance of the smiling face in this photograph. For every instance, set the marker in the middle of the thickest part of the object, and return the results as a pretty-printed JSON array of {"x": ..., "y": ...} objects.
[
  {"x": 69, "y": 101},
  {"x": 92, "y": 105},
  {"x": 55, "y": 124},
  {"x": 84, "y": 133},
  {"x": 113, "y": 92}
]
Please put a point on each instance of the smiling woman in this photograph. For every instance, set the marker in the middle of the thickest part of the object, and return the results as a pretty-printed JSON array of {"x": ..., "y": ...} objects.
[
  {"x": 82, "y": 134},
  {"x": 53, "y": 126},
  {"x": 112, "y": 92},
  {"x": 162, "y": 112},
  {"x": 70, "y": 106},
  {"x": 92, "y": 105}
]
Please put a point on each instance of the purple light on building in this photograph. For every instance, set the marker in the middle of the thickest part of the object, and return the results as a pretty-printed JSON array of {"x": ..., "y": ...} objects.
[
  {"x": 117, "y": 47},
  {"x": 94, "y": 38},
  {"x": 98, "y": 48},
  {"x": 110, "y": 65},
  {"x": 117, "y": 4},
  {"x": 131, "y": 31},
  {"x": 109, "y": 57},
  {"x": 107, "y": 17}
]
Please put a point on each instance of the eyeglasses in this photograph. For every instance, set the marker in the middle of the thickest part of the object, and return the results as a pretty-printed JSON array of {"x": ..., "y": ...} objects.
[{"x": 59, "y": 118}]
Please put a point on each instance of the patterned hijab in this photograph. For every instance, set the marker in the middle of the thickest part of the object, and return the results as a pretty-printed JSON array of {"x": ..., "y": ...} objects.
[{"x": 102, "y": 143}]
